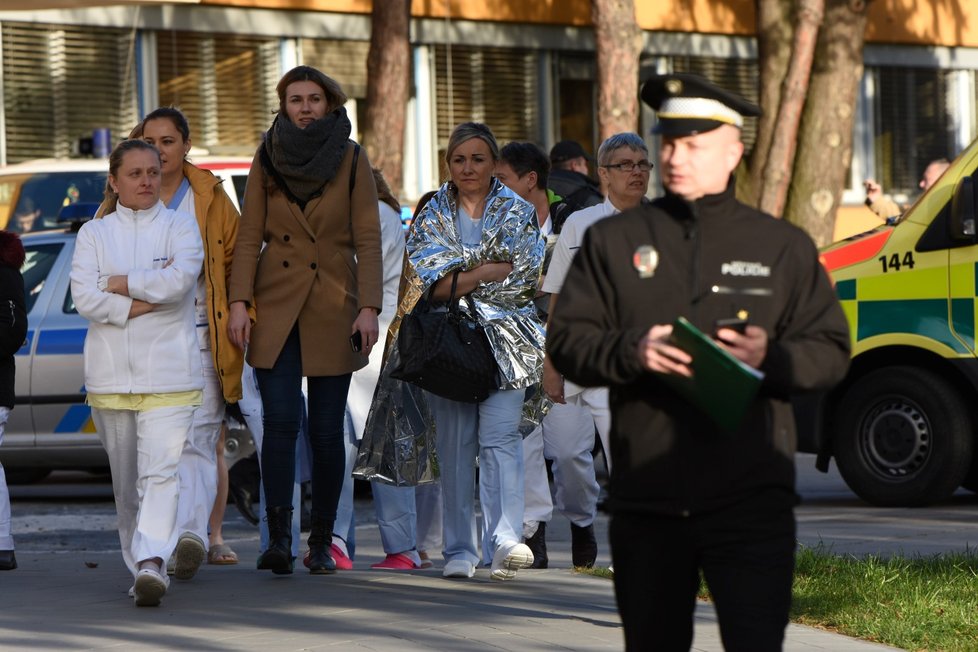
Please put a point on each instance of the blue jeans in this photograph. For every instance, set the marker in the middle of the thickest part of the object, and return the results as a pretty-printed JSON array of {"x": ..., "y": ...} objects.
[{"x": 281, "y": 395}]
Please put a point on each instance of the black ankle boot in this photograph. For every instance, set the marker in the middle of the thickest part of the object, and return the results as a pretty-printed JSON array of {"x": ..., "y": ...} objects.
[
  {"x": 538, "y": 546},
  {"x": 320, "y": 538},
  {"x": 278, "y": 556}
]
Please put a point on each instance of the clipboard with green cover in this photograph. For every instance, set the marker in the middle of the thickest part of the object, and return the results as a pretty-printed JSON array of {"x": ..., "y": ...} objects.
[{"x": 722, "y": 386}]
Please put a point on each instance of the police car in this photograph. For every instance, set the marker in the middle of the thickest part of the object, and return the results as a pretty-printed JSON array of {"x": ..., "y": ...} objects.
[{"x": 51, "y": 426}]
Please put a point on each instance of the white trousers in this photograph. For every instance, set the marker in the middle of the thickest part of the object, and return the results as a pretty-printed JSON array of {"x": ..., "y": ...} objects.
[
  {"x": 566, "y": 437},
  {"x": 198, "y": 462},
  {"x": 6, "y": 539},
  {"x": 144, "y": 454},
  {"x": 490, "y": 431}
]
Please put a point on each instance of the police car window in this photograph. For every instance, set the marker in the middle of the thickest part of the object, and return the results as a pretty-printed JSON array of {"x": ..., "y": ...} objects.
[
  {"x": 239, "y": 181},
  {"x": 44, "y": 194},
  {"x": 37, "y": 266},
  {"x": 69, "y": 306}
]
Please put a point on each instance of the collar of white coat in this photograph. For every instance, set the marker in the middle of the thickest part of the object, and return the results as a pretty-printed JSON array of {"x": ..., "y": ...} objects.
[{"x": 146, "y": 215}]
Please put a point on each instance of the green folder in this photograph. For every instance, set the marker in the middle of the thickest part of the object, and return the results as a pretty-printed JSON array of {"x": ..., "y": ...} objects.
[{"x": 722, "y": 386}]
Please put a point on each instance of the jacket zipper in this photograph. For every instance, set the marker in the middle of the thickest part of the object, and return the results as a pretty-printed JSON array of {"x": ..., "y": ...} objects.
[
  {"x": 130, "y": 324},
  {"x": 692, "y": 235}
]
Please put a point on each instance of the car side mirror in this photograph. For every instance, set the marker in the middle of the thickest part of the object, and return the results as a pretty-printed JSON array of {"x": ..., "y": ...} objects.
[{"x": 961, "y": 226}]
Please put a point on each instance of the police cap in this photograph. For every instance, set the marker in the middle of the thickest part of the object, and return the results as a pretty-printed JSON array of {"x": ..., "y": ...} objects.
[{"x": 689, "y": 104}]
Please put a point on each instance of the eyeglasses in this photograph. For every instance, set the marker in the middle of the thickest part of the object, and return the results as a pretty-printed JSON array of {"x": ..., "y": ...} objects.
[{"x": 628, "y": 166}]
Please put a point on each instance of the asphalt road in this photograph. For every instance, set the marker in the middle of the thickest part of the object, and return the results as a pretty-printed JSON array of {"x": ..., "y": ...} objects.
[{"x": 73, "y": 511}]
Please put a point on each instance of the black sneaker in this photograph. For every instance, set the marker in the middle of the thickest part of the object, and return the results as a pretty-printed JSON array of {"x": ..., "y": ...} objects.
[
  {"x": 538, "y": 546},
  {"x": 584, "y": 548}
]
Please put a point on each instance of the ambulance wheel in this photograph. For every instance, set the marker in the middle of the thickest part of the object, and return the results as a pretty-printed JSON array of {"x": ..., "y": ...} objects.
[{"x": 904, "y": 437}]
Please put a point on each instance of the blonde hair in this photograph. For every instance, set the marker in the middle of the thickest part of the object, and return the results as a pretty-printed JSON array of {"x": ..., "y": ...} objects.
[{"x": 111, "y": 198}]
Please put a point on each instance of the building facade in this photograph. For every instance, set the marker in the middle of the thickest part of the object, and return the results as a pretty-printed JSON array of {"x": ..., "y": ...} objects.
[{"x": 526, "y": 69}]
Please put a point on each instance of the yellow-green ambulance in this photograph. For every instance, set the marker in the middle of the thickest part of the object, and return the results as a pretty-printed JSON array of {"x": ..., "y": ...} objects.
[{"x": 902, "y": 426}]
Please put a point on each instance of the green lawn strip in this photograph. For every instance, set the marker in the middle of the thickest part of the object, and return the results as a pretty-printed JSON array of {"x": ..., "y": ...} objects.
[{"x": 917, "y": 603}]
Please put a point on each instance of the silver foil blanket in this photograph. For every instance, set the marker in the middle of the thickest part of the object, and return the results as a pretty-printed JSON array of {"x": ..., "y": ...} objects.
[{"x": 398, "y": 441}]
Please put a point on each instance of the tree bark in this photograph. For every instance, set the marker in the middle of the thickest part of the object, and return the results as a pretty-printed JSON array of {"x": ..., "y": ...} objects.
[
  {"x": 781, "y": 156},
  {"x": 388, "y": 90},
  {"x": 618, "y": 41},
  {"x": 825, "y": 137},
  {"x": 774, "y": 33}
]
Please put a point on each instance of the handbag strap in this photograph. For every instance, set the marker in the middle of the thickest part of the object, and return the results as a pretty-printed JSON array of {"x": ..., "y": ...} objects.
[{"x": 451, "y": 297}]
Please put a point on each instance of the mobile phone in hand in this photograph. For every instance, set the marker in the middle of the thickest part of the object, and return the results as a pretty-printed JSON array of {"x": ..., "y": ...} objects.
[
  {"x": 738, "y": 324},
  {"x": 356, "y": 342}
]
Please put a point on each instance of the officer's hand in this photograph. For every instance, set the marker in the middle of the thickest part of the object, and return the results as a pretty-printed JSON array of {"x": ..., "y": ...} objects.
[
  {"x": 750, "y": 348},
  {"x": 656, "y": 354},
  {"x": 553, "y": 382}
]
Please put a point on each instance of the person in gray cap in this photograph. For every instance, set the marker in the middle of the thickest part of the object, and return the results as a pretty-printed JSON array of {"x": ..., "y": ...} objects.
[
  {"x": 688, "y": 495},
  {"x": 569, "y": 178}
]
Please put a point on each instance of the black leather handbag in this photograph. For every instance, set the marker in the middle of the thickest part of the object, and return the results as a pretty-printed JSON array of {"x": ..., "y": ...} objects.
[{"x": 446, "y": 353}]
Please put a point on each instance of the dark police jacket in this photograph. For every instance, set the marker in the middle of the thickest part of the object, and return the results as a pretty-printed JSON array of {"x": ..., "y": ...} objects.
[{"x": 716, "y": 257}]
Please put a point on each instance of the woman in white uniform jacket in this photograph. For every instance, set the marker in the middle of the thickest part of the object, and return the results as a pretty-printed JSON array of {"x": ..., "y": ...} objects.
[{"x": 133, "y": 277}]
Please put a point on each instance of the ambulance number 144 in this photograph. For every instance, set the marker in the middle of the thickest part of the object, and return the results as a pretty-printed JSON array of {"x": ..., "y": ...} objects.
[{"x": 894, "y": 262}]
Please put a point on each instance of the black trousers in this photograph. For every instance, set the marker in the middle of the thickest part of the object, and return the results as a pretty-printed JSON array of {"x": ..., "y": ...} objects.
[{"x": 747, "y": 556}]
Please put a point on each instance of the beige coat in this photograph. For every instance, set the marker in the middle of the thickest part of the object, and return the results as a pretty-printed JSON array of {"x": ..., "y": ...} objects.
[{"x": 318, "y": 268}]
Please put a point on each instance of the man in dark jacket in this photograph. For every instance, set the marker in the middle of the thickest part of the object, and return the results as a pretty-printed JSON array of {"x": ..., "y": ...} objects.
[
  {"x": 687, "y": 495},
  {"x": 13, "y": 330},
  {"x": 569, "y": 177}
]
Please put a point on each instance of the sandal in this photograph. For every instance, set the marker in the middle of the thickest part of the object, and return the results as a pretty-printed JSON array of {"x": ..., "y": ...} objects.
[{"x": 221, "y": 555}]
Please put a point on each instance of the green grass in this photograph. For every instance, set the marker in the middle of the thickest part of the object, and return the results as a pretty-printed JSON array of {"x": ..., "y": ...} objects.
[{"x": 917, "y": 603}]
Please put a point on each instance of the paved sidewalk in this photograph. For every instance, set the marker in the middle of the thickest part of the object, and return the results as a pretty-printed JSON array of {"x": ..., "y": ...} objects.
[{"x": 78, "y": 601}]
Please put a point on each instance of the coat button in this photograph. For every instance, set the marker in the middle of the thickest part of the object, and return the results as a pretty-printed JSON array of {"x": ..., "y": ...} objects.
[
  {"x": 313, "y": 240},
  {"x": 312, "y": 266},
  {"x": 286, "y": 238},
  {"x": 285, "y": 263}
]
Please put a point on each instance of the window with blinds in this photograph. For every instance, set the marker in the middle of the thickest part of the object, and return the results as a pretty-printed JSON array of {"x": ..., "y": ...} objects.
[
  {"x": 492, "y": 85},
  {"x": 223, "y": 83},
  {"x": 62, "y": 82},
  {"x": 344, "y": 61},
  {"x": 913, "y": 124},
  {"x": 735, "y": 75}
]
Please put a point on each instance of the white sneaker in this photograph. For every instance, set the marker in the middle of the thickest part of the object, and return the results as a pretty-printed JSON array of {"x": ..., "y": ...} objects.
[
  {"x": 458, "y": 568},
  {"x": 149, "y": 588},
  {"x": 509, "y": 558}
]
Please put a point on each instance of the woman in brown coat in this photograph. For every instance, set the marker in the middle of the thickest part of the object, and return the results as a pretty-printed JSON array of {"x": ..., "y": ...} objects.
[{"x": 316, "y": 289}]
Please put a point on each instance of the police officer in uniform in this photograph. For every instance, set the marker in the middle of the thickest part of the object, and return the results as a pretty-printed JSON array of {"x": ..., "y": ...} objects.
[{"x": 686, "y": 495}]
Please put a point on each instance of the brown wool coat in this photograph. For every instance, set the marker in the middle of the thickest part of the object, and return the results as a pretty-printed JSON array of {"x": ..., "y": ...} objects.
[{"x": 318, "y": 268}]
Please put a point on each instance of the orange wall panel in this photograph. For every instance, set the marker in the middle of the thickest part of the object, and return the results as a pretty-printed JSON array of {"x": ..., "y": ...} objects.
[{"x": 929, "y": 22}]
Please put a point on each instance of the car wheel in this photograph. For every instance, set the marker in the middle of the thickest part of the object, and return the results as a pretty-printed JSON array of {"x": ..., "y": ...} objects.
[
  {"x": 904, "y": 437},
  {"x": 26, "y": 475}
]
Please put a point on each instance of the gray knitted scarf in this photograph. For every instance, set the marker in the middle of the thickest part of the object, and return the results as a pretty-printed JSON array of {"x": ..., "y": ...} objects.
[{"x": 303, "y": 161}]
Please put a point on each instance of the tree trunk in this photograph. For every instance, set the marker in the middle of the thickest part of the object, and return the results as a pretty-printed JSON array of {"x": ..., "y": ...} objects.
[
  {"x": 825, "y": 144},
  {"x": 781, "y": 156},
  {"x": 388, "y": 78},
  {"x": 774, "y": 33},
  {"x": 618, "y": 41}
]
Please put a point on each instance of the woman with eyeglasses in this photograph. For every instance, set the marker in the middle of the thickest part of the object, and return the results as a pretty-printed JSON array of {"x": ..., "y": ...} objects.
[{"x": 624, "y": 169}]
